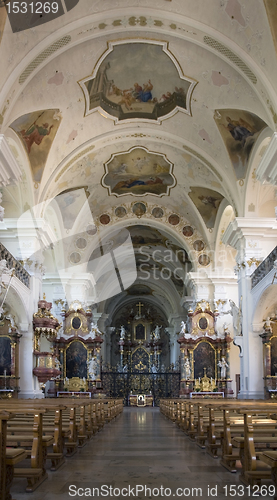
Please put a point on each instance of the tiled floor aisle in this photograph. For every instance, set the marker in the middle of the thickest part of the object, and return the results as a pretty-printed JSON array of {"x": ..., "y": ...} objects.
[{"x": 140, "y": 447}]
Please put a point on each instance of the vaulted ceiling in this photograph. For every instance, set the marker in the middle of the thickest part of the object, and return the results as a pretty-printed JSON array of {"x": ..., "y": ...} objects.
[{"x": 153, "y": 114}]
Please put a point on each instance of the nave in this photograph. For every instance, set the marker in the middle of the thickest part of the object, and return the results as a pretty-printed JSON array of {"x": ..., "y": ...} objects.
[{"x": 139, "y": 447}]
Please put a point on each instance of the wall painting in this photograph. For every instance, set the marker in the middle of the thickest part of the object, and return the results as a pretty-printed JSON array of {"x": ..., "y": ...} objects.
[
  {"x": 239, "y": 130},
  {"x": 37, "y": 131},
  {"x": 207, "y": 203},
  {"x": 138, "y": 172},
  {"x": 138, "y": 80}
]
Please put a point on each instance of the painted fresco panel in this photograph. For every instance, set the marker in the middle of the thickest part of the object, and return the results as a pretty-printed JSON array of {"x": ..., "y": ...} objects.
[
  {"x": 207, "y": 203},
  {"x": 37, "y": 131},
  {"x": 138, "y": 172},
  {"x": 138, "y": 80},
  {"x": 239, "y": 130}
]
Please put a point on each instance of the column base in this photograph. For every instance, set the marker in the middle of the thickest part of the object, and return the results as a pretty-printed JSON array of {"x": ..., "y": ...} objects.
[
  {"x": 30, "y": 394},
  {"x": 251, "y": 395}
]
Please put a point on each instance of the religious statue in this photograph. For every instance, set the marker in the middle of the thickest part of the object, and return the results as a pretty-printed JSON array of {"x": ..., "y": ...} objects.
[
  {"x": 122, "y": 333},
  {"x": 57, "y": 363},
  {"x": 183, "y": 327},
  {"x": 156, "y": 333},
  {"x": 236, "y": 312},
  {"x": 223, "y": 365},
  {"x": 187, "y": 369},
  {"x": 92, "y": 369}
]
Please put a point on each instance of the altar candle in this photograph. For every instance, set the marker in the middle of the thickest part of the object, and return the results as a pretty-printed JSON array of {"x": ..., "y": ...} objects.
[
  {"x": 5, "y": 373},
  {"x": 199, "y": 380}
]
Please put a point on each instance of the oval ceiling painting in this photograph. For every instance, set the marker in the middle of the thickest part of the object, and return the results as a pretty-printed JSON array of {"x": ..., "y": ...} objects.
[
  {"x": 138, "y": 79},
  {"x": 138, "y": 172}
]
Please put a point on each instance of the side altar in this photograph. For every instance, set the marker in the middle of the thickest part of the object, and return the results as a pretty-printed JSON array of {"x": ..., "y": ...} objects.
[
  {"x": 204, "y": 355},
  {"x": 73, "y": 364}
]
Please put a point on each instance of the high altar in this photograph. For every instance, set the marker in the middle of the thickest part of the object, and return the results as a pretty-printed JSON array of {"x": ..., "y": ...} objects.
[{"x": 204, "y": 355}]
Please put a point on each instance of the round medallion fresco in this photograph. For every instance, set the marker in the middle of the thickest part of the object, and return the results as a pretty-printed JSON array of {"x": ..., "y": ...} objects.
[
  {"x": 187, "y": 231},
  {"x": 198, "y": 245},
  {"x": 174, "y": 219},
  {"x": 120, "y": 212},
  {"x": 139, "y": 209},
  {"x": 104, "y": 219},
  {"x": 157, "y": 212},
  {"x": 81, "y": 243},
  {"x": 204, "y": 260},
  {"x": 91, "y": 230},
  {"x": 75, "y": 258}
]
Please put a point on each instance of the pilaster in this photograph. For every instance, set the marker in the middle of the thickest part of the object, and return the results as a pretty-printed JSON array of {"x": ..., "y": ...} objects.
[{"x": 252, "y": 238}]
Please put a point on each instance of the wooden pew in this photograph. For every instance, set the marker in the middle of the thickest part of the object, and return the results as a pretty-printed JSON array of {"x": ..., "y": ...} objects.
[
  {"x": 254, "y": 470},
  {"x": 36, "y": 472},
  {"x": 8, "y": 458},
  {"x": 270, "y": 458}
]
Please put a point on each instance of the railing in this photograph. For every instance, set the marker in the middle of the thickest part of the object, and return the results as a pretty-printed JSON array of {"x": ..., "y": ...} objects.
[
  {"x": 19, "y": 270},
  {"x": 264, "y": 268}
]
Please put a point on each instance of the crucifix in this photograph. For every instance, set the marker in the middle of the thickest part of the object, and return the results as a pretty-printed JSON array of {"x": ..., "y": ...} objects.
[{"x": 139, "y": 305}]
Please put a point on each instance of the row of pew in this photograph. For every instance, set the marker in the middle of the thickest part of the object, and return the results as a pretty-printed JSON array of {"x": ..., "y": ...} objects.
[
  {"x": 34, "y": 431},
  {"x": 243, "y": 433}
]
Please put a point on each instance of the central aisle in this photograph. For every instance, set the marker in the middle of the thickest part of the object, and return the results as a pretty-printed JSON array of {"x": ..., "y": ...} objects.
[{"x": 141, "y": 448}]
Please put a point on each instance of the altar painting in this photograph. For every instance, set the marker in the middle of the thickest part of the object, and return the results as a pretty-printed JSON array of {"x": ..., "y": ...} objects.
[
  {"x": 138, "y": 172},
  {"x": 204, "y": 357},
  {"x": 76, "y": 360},
  {"x": 239, "y": 130},
  {"x": 37, "y": 132},
  {"x": 5, "y": 356},
  {"x": 138, "y": 80},
  {"x": 274, "y": 356}
]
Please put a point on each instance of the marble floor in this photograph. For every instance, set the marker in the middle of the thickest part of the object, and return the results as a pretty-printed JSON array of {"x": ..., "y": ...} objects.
[{"x": 142, "y": 449}]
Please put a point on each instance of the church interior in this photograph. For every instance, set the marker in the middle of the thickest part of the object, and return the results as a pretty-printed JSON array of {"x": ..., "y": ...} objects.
[{"x": 138, "y": 217}]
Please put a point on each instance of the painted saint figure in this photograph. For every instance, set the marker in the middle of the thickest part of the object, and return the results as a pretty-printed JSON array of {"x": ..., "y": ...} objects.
[{"x": 35, "y": 134}]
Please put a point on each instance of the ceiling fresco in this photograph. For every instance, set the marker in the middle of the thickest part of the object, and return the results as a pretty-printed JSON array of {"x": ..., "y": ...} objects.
[
  {"x": 37, "y": 132},
  {"x": 138, "y": 80},
  {"x": 239, "y": 130},
  {"x": 207, "y": 203},
  {"x": 271, "y": 9},
  {"x": 138, "y": 172}
]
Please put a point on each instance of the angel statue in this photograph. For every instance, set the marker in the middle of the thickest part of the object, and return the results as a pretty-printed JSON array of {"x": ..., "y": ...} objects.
[{"x": 223, "y": 365}]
